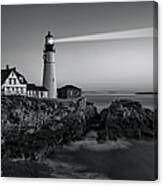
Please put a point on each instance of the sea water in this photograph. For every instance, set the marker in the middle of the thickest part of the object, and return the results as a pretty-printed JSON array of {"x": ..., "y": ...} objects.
[{"x": 104, "y": 100}]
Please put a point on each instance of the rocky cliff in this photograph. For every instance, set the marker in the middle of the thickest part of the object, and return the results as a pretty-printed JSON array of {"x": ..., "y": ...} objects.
[{"x": 31, "y": 127}]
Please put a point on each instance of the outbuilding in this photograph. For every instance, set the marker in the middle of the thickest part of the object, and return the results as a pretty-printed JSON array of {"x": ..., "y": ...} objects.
[
  {"x": 36, "y": 91},
  {"x": 69, "y": 91}
]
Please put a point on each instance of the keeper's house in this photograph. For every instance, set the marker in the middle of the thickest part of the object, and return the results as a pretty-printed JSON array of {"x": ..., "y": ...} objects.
[{"x": 14, "y": 83}]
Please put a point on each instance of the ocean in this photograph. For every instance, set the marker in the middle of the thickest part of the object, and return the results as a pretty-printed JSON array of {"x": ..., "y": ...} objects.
[{"x": 102, "y": 101}]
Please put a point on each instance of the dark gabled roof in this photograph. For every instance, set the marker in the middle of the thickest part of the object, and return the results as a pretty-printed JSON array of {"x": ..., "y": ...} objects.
[
  {"x": 41, "y": 88},
  {"x": 6, "y": 72},
  {"x": 69, "y": 87},
  {"x": 23, "y": 81},
  {"x": 31, "y": 86}
]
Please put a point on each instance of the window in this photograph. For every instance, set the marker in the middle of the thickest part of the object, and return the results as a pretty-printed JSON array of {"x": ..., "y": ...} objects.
[
  {"x": 8, "y": 89},
  {"x": 41, "y": 94},
  {"x": 21, "y": 79},
  {"x": 10, "y": 81},
  {"x": 21, "y": 90},
  {"x": 14, "y": 81},
  {"x": 17, "y": 90},
  {"x": 71, "y": 92}
]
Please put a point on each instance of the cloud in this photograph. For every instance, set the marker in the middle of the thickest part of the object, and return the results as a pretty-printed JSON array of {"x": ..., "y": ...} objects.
[{"x": 127, "y": 34}]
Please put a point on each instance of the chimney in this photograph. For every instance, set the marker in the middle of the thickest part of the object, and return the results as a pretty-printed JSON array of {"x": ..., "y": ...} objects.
[
  {"x": 14, "y": 68},
  {"x": 7, "y": 67}
]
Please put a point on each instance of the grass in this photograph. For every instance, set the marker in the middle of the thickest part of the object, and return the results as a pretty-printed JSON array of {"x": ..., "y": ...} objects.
[
  {"x": 117, "y": 160},
  {"x": 28, "y": 169},
  {"x": 136, "y": 162}
]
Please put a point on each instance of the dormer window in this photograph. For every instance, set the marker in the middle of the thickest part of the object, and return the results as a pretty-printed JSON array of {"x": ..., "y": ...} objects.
[{"x": 21, "y": 79}]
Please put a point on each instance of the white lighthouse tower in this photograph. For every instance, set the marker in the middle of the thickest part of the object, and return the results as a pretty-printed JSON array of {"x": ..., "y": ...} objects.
[{"x": 49, "y": 73}]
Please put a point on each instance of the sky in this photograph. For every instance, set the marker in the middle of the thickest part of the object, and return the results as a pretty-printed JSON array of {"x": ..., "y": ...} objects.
[{"x": 101, "y": 46}]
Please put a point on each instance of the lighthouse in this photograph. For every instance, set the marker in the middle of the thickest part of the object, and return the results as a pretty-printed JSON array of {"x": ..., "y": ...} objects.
[{"x": 49, "y": 72}]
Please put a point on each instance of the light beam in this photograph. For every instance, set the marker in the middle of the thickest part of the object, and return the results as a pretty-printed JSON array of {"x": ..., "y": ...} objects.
[{"x": 126, "y": 34}]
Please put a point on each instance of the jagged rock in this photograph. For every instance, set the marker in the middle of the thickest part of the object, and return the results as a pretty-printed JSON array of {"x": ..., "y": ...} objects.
[{"x": 126, "y": 119}]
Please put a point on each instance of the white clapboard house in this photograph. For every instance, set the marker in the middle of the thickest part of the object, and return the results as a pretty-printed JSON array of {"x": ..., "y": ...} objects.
[{"x": 14, "y": 83}]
